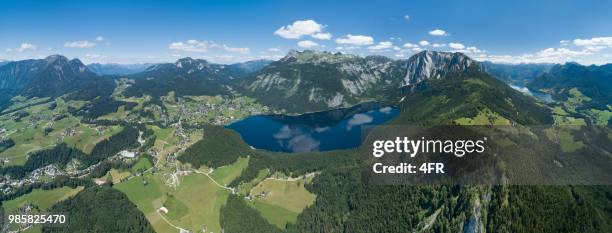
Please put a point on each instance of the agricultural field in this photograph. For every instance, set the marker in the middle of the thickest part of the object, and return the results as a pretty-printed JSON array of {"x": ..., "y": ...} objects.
[
  {"x": 280, "y": 201},
  {"x": 226, "y": 174},
  {"x": 141, "y": 165},
  {"x": 189, "y": 201},
  {"x": 40, "y": 199}
]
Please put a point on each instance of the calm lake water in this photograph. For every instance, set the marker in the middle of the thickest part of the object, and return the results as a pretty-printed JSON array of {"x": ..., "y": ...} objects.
[
  {"x": 545, "y": 97},
  {"x": 320, "y": 131}
]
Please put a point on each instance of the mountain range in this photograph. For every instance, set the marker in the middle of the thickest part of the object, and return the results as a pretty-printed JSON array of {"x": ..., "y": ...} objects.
[
  {"x": 595, "y": 82},
  {"x": 50, "y": 77},
  {"x": 118, "y": 69},
  {"x": 429, "y": 89},
  {"x": 313, "y": 81},
  {"x": 516, "y": 74}
]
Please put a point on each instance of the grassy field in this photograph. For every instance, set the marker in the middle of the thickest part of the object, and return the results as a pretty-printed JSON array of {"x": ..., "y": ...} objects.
[
  {"x": 601, "y": 117},
  {"x": 148, "y": 198},
  {"x": 276, "y": 215},
  {"x": 486, "y": 117},
  {"x": 245, "y": 188},
  {"x": 564, "y": 138},
  {"x": 226, "y": 174},
  {"x": 193, "y": 205},
  {"x": 141, "y": 165},
  {"x": 203, "y": 200},
  {"x": 117, "y": 175},
  {"x": 29, "y": 134},
  {"x": 43, "y": 199},
  {"x": 282, "y": 200},
  {"x": 86, "y": 137}
]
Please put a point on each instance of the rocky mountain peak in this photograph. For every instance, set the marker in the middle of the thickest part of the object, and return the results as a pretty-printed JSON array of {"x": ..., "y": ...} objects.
[
  {"x": 190, "y": 63},
  {"x": 312, "y": 56},
  {"x": 56, "y": 58},
  {"x": 434, "y": 65}
]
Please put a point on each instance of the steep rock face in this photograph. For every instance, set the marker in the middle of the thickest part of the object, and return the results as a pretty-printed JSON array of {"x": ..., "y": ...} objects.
[
  {"x": 52, "y": 76},
  {"x": 434, "y": 65},
  {"x": 312, "y": 81}
]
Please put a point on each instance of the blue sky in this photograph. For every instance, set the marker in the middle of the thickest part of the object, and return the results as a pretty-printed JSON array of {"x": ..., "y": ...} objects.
[{"x": 231, "y": 31}]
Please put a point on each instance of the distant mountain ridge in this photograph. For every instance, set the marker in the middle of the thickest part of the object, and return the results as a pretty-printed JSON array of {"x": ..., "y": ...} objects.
[
  {"x": 55, "y": 75},
  {"x": 593, "y": 81},
  {"x": 118, "y": 69},
  {"x": 189, "y": 76},
  {"x": 516, "y": 74}
]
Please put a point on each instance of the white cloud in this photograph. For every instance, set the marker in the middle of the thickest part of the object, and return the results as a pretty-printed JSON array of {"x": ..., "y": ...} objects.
[
  {"x": 100, "y": 38},
  {"x": 24, "y": 47},
  {"x": 564, "y": 42},
  {"x": 438, "y": 45},
  {"x": 355, "y": 40},
  {"x": 79, "y": 44},
  {"x": 473, "y": 49},
  {"x": 87, "y": 55},
  {"x": 192, "y": 46},
  {"x": 381, "y": 46},
  {"x": 322, "y": 36},
  {"x": 456, "y": 46},
  {"x": 307, "y": 44},
  {"x": 303, "y": 28},
  {"x": 549, "y": 55},
  {"x": 407, "y": 17},
  {"x": 236, "y": 50},
  {"x": 274, "y": 50},
  {"x": 424, "y": 43},
  {"x": 438, "y": 32},
  {"x": 410, "y": 45},
  {"x": 417, "y": 49},
  {"x": 596, "y": 41}
]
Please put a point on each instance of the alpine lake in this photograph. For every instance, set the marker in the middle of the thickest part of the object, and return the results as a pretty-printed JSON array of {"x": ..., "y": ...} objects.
[{"x": 318, "y": 131}]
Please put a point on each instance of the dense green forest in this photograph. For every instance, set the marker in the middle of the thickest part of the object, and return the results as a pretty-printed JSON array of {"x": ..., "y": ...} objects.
[
  {"x": 99, "y": 209},
  {"x": 238, "y": 217},
  {"x": 219, "y": 147},
  {"x": 102, "y": 106}
]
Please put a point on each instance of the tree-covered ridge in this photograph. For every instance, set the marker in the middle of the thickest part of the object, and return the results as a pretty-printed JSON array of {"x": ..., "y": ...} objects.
[
  {"x": 516, "y": 74},
  {"x": 99, "y": 209},
  {"x": 466, "y": 94},
  {"x": 219, "y": 147},
  {"x": 593, "y": 81}
]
